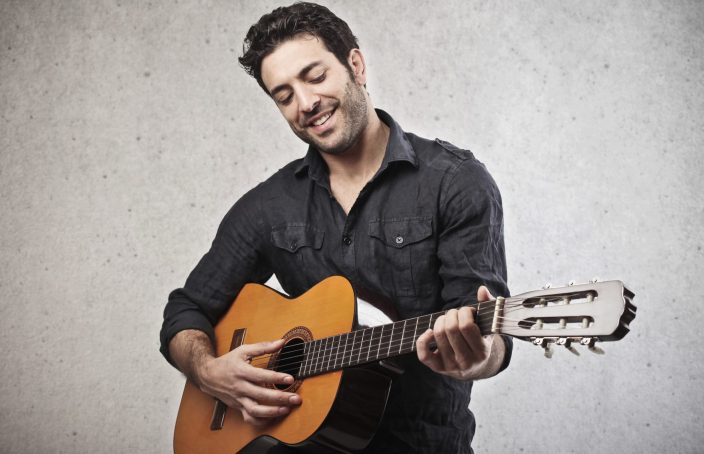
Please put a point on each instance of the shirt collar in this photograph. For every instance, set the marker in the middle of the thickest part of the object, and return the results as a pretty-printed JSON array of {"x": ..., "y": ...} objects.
[{"x": 398, "y": 149}]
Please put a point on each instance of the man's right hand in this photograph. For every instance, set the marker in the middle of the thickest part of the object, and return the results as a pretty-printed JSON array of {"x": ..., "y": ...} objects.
[{"x": 232, "y": 379}]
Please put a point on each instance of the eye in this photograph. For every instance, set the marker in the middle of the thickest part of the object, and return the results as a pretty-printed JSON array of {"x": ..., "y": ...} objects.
[
  {"x": 318, "y": 79},
  {"x": 284, "y": 100}
]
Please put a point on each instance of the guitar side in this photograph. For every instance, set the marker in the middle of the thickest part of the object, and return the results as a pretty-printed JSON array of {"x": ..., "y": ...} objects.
[{"x": 325, "y": 310}]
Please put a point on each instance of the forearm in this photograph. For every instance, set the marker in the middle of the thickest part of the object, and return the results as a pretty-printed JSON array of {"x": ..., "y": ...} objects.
[{"x": 190, "y": 349}]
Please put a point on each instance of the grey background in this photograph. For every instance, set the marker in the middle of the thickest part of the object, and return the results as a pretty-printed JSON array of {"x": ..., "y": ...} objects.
[{"x": 128, "y": 130}]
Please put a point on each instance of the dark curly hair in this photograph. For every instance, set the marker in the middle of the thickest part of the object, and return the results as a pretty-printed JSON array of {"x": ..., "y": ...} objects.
[{"x": 286, "y": 23}]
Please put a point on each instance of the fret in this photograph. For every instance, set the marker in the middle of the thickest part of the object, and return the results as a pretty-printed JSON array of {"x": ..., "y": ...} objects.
[
  {"x": 327, "y": 353},
  {"x": 335, "y": 342},
  {"x": 304, "y": 363},
  {"x": 391, "y": 337},
  {"x": 415, "y": 335},
  {"x": 433, "y": 319},
  {"x": 354, "y": 340},
  {"x": 316, "y": 360},
  {"x": 403, "y": 333},
  {"x": 338, "y": 343},
  {"x": 371, "y": 340},
  {"x": 378, "y": 344},
  {"x": 311, "y": 358},
  {"x": 316, "y": 354},
  {"x": 344, "y": 350}
]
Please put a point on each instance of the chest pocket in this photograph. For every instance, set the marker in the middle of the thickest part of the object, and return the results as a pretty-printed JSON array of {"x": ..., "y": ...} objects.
[
  {"x": 297, "y": 258},
  {"x": 403, "y": 252},
  {"x": 294, "y": 237}
]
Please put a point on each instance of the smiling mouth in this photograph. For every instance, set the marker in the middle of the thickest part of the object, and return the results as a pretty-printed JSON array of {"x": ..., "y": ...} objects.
[{"x": 321, "y": 121}]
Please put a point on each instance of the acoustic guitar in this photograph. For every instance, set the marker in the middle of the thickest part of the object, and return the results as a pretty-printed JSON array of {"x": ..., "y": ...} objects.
[{"x": 335, "y": 368}]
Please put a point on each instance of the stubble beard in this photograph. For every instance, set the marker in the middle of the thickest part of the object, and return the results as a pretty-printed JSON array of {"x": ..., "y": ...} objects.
[{"x": 353, "y": 108}]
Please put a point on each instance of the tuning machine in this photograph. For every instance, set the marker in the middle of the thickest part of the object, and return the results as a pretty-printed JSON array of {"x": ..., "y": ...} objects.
[
  {"x": 546, "y": 344},
  {"x": 567, "y": 343},
  {"x": 590, "y": 342}
]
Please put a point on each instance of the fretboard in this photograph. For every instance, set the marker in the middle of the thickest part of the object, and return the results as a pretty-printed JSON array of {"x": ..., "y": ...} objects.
[{"x": 376, "y": 343}]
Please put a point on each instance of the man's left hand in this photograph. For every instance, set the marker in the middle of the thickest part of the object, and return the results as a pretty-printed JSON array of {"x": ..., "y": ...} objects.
[{"x": 462, "y": 352}]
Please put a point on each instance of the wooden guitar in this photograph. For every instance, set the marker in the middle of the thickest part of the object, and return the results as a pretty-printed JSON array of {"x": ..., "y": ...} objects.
[{"x": 343, "y": 404}]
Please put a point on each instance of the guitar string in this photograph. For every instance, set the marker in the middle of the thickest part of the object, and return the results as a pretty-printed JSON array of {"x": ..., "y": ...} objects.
[
  {"x": 339, "y": 353},
  {"x": 386, "y": 342},
  {"x": 331, "y": 353},
  {"x": 342, "y": 348},
  {"x": 381, "y": 340}
]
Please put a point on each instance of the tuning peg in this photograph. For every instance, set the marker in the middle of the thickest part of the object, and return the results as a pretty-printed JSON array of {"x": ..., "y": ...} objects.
[
  {"x": 548, "y": 351},
  {"x": 546, "y": 344},
  {"x": 591, "y": 343},
  {"x": 594, "y": 280},
  {"x": 568, "y": 345},
  {"x": 547, "y": 286},
  {"x": 571, "y": 283}
]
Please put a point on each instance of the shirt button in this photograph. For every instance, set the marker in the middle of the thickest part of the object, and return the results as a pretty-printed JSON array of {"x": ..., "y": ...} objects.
[
  {"x": 399, "y": 239},
  {"x": 347, "y": 240},
  {"x": 293, "y": 245}
]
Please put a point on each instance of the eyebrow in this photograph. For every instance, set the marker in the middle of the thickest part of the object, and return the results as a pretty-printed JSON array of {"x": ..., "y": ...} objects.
[{"x": 301, "y": 74}]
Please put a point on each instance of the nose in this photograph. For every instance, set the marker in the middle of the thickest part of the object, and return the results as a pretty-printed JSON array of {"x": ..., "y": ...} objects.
[{"x": 308, "y": 101}]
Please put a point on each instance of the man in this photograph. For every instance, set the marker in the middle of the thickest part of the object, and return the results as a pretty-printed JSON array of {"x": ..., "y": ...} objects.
[{"x": 416, "y": 221}]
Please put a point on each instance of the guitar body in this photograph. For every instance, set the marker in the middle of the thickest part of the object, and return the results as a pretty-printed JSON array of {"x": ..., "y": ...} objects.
[{"x": 339, "y": 410}]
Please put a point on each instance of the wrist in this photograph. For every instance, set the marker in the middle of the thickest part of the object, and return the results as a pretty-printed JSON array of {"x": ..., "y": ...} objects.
[{"x": 495, "y": 356}]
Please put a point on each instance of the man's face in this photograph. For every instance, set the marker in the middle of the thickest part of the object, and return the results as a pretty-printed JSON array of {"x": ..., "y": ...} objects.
[{"x": 324, "y": 106}]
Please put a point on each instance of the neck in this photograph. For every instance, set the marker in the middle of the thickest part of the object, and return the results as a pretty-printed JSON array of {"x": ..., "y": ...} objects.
[
  {"x": 373, "y": 344},
  {"x": 358, "y": 164}
]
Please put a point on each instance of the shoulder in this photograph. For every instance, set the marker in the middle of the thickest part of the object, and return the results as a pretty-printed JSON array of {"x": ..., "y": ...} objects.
[
  {"x": 257, "y": 201},
  {"x": 272, "y": 186},
  {"x": 458, "y": 165}
]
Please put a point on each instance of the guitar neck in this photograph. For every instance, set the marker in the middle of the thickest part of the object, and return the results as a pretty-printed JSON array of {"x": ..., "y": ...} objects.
[{"x": 377, "y": 343}]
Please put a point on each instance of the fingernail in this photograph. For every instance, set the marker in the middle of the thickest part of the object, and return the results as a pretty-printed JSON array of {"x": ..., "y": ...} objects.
[
  {"x": 288, "y": 379},
  {"x": 295, "y": 399},
  {"x": 283, "y": 410}
]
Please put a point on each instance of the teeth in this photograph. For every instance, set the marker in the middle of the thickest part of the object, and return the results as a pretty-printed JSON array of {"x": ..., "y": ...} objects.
[{"x": 322, "y": 119}]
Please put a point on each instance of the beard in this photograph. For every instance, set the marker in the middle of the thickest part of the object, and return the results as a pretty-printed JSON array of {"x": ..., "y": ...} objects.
[{"x": 352, "y": 109}]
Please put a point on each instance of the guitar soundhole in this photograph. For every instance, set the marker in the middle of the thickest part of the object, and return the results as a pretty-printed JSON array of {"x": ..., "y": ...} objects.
[
  {"x": 289, "y": 359},
  {"x": 291, "y": 356}
]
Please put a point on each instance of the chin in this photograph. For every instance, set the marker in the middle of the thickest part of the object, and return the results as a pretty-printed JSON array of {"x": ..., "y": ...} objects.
[{"x": 338, "y": 148}]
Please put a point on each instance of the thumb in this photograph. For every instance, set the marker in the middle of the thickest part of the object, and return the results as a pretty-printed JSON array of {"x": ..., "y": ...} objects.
[{"x": 483, "y": 294}]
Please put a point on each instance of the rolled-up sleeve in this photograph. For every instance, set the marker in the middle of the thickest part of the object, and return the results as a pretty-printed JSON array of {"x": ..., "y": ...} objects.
[
  {"x": 234, "y": 259},
  {"x": 471, "y": 242}
]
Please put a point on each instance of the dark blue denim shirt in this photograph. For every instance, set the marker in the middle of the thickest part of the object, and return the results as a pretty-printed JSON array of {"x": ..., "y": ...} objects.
[{"x": 424, "y": 233}]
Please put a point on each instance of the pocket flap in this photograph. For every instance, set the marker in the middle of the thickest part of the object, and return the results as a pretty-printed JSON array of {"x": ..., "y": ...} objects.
[
  {"x": 293, "y": 237},
  {"x": 399, "y": 233}
]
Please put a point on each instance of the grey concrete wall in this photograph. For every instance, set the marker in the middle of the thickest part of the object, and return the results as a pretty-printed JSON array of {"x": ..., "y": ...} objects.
[{"x": 127, "y": 131}]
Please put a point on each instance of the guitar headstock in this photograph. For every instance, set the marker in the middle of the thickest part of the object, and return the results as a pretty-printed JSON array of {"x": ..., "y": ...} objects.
[{"x": 578, "y": 313}]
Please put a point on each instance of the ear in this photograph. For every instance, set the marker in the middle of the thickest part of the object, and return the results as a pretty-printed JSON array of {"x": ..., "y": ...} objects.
[{"x": 359, "y": 68}]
